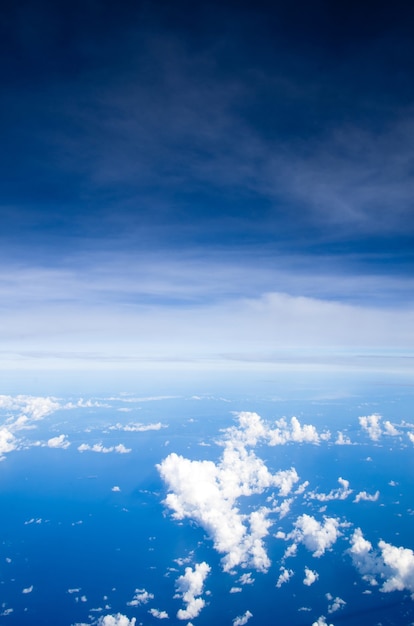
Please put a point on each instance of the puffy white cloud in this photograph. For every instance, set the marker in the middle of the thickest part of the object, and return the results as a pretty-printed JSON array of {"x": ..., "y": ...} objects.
[
  {"x": 371, "y": 424},
  {"x": 315, "y": 536},
  {"x": 236, "y": 590},
  {"x": 363, "y": 495},
  {"x": 58, "y": 442},
  {"x": 246, "y": 579},
  {"x": 284, "y": 576},
  {"x": 242, "y": 619},
  {"x": 98, "y": 447},
  {"x": 190, "y": 588},
  {"x": 343, "y": 440},
  {"x": 389, "y": 429},
  {"x": 142, "y": 596},
  {"x": 294, "y": 432},
  {"x": 411, "y": 437},
  {"x": 207, "y": 493},
  {"x": 116, "y": 620},
  {"x": 116, "y": 488},
  {"x": 159, "y": 614},
  {"x": 310, "y": 577},
  {"x": 28, "y": 589},
  {"x": 391, "y": 564},
  {"x": 321, "y": 621},
  {"x": 8, "y": 441},
  {"x": 337, "y": 603},
  {"x": 335, "y": 494}
]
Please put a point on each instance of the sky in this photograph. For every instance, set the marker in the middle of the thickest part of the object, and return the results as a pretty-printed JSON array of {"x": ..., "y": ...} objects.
[{"x": 212, "y": 185}]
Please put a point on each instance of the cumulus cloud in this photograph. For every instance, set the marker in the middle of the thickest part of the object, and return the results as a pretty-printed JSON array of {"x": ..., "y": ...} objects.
[
  {"x": 190, "y": 588},
  {"x": 336, "y": 604},
  {"x": 242, "y": 619},
  {"x": 392, "y": 565},
  {"x": 99, "y": 447},
  {"x": 293, "y": 432},
  {"x": 112, "y": 620},
  {"x": 207, "y": 493},
  {"x": 159, "y": 614},
  {"x": 373, "y": 425},
  {"x": 284, "y": 576},
  {"x": 28, "y": 589},
  {"x": 58, "y": 442},
  {"x": 321, "y": 621},
  {"x": 343, "y": 440},
  {"x": 142, "y": 596},
  {"x": 335, "y": 494},
  {"x": 310, "y": 577},
  {"x": 116, "y": 620},
  {"x": 363, "y": 495},
  {"x": 116, "y": 488},
  {"x": 316, "y": 536},
  {"x": 23, "y": 411}
]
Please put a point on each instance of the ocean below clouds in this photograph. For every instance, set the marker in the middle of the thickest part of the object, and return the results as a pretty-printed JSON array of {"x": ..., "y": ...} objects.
[{"x": 126, "y": 509}]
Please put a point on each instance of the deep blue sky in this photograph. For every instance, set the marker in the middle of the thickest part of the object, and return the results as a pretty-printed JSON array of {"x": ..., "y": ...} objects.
[{"x": 180, "y": 155}]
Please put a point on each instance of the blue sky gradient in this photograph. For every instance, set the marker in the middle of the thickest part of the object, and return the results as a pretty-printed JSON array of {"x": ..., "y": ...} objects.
[{"x": 215, "y": 184}]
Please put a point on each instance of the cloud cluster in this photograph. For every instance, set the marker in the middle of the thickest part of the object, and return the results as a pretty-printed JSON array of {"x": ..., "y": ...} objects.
[
  {"x": 375, "y": 428},
  {"x": 207, "y": 493},
  {"x": 392, "y": 565},
  {"x": 142, "y": 596},
  {"x": 335, "y": 494},
  {"x": 111, "y": 620},
  {"x": 190, "y": 588},
  {"x": 284, "y": 576},
  {"x": 29, "y": 409},
  {"x": 137, "y": 427},
  {"x": 242, "y": 619},
  {"x": 315, "y": 536},
  {"x": 98, "y": 447}
]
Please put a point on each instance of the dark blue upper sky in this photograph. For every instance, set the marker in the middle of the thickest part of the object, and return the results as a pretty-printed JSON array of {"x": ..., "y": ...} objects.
[
  {"x": 235, "y": 124},
  {"x": 267, "y": 144}
]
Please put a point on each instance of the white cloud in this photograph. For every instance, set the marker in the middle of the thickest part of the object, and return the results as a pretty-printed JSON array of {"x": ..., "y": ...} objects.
[
  {"x": 28, "y": 589},
  {"x": 315, "y": 536},
  {"x": 391, "y": 564},
  {"x": 58, "y": 442},
  {"x": 246, "y": 579},
  {"x": 371, "y": 424},
  {"x": 294, "y": 432},
  {"x": 137, "y": 427},
  {"x": 310, "y": 577},
  {"x": 321, "y": 621},
  {"x": 190, "y": 588},
  {"x": 343, "y": 440},
  {"x": 142, "y": 596},
  {"x": 284, "y": 576},
  {"x": 389, "y": 429},
  {"x": 236, "y": 590},
  {"x": 116, "y": 488},
  {"x": 337, "y": 604},
  {"x": 116, "y": 620},
  {"x": 159, "y": 614},
  {"x": 411, "y": 437},
  {"x": 363, "y": 495},
  {"x": 98, "y": 447},
  {"x": 335, "y": 494},
  {"x": 207, "y": 493},
  {"x": 242, "y": 619}
]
